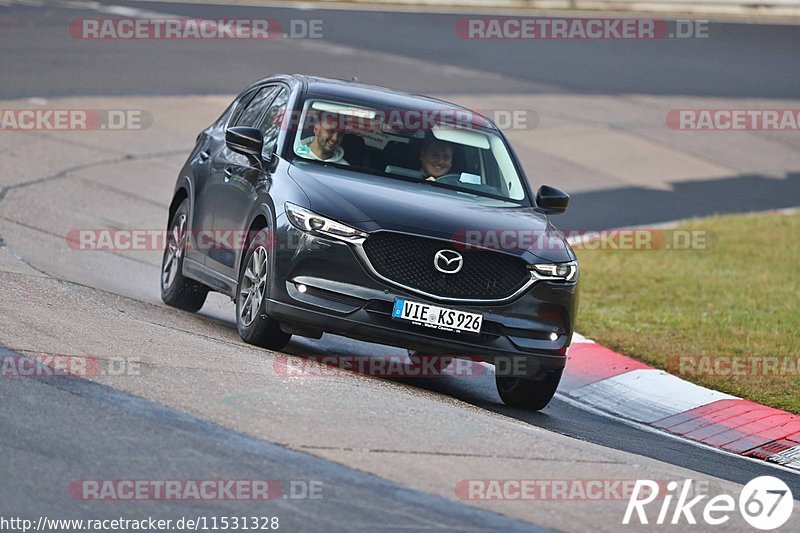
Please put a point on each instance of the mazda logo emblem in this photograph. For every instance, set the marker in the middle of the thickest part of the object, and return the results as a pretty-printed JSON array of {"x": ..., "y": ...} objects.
[{"x": 448, "y": 261}]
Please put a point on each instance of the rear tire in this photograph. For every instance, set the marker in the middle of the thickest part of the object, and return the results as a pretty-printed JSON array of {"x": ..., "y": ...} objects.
[
  {"x": 176, "y": 289},
  {"x": 254, "y": 326},
  {"x": 526, "y": 393}
]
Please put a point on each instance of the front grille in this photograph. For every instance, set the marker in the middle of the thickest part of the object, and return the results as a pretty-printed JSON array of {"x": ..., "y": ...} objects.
[{"x": 408, "y": 260}]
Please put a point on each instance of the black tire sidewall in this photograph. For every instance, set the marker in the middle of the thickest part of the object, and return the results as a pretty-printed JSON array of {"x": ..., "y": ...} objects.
[
  {"x": 263, "y": 331},
  {"x": 183, "y": 293},
  {"x": 527, "y": 393}
]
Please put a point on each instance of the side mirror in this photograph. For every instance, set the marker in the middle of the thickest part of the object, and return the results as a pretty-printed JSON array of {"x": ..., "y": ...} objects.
[
  {"x": 245, "y": 140},
  {"x": 553, "y": 201}
]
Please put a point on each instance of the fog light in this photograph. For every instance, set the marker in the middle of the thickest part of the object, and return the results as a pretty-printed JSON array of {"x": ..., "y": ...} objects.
[
  {"x": 301, "y": 287},
  {"x": 554, "y": 336}
]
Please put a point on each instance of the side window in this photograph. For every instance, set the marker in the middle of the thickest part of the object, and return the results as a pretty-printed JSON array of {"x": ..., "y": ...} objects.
[
  {"x": 232, "y": 114},
  {"x": 271, "y": 123},
  {"x": 249, "y": 116},
  {"x": 472, "y": 163},
  {"x": 493, "y": 177}
]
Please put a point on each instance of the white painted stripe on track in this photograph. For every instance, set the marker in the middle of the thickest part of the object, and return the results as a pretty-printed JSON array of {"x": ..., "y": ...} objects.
[
  {"x": 789, "y": 458},
  {"x": 577, "y": 338},
  {"x": 647, "y": 395}
]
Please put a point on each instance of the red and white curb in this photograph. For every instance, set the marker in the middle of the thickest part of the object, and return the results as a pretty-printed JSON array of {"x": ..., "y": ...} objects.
[{"x": 630, "y": 389}]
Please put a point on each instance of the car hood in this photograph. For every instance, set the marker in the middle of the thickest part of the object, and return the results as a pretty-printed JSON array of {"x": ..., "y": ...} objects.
[{"x": 372, "y": 203}]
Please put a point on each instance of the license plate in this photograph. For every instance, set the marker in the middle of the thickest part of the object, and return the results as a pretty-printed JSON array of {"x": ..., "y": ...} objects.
[{"x": 435, "y": 317}]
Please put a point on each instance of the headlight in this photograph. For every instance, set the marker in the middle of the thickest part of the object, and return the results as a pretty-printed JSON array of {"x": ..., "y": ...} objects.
[
  {"x": 306, "y": 220},
  {"x": 556, "y": 271}
]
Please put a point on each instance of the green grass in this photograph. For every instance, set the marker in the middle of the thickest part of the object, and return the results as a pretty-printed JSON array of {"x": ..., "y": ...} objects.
[{"x": 738, "y": 297}]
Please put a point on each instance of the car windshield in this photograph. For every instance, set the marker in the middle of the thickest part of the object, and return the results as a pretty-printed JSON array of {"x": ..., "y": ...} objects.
[{"x": 445, "y": 149}]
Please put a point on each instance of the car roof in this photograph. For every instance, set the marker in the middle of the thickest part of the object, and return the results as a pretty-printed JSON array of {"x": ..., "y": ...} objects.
[{"x": 381, "y": 97}]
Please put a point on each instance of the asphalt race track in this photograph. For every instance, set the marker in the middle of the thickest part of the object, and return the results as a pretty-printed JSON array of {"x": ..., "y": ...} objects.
[{"x": 388, "y": 453}]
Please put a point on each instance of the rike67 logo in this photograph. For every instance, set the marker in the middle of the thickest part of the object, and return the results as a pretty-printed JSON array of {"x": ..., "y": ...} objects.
[{"x": 765, "y": 503}]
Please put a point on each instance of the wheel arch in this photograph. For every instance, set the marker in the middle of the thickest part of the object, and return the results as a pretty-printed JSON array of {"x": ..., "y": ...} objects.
[
  {"x": 183, "y": 191},
  {"x": 177, "y": 200},
  {"x": 261, "y": 218}
]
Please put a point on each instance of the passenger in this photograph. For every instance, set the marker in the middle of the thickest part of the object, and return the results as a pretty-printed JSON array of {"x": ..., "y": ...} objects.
[
  {"x": 325, "y": 145},
  {"x": 436, "y": 159}
]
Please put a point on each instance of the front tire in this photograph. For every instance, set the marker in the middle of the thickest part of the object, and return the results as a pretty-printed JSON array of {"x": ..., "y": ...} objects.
[
  {"x": 254, "y": 326},
  {"x": 176, "y": 289},
  {"x": 527, "y": 393}
]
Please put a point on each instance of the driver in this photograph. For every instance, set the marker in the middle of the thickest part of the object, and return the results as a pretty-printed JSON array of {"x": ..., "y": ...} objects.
[
  {"x": 325, "y": 145},
  {"x": 436, "y": 159}
]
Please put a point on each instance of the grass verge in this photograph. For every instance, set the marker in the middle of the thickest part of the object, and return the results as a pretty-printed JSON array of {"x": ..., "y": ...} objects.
[{"x": 724, "y": 313}]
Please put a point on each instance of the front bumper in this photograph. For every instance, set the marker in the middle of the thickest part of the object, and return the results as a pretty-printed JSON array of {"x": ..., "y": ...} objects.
[{"x": 342, "y": 296}]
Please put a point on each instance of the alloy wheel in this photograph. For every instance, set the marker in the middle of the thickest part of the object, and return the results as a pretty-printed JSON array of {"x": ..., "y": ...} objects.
[
  {"x": 175, "y": 247},
  {"x": 254, "y": 283}
]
